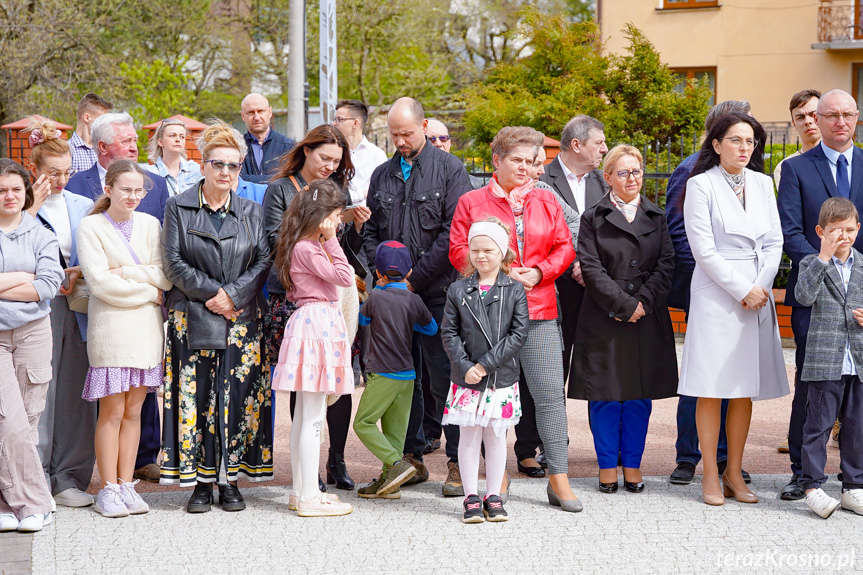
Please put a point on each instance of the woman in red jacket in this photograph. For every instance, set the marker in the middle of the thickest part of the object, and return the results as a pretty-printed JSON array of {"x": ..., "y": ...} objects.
[{"x": 544, "y": 250}]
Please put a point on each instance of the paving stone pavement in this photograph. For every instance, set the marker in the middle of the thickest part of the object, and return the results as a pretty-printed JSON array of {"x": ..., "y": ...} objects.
[{"x": 666, "y": 529}]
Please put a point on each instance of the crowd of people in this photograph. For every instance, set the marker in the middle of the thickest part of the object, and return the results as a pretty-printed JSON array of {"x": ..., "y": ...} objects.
[{"x": 463, "y": 308}]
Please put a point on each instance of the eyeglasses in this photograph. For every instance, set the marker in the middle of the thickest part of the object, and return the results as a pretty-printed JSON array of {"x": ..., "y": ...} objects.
[
  {"x": 57, "y": 176},
  {"x": 624, "y": 174},
  {"x": 833, "y": 117},
  {"x": 219, "y": 165},
  {"x": 741, "y": 143},
  {"x": 338, "y": 120},
  {"x": 444, "y": 139},
  {"x": 133, "y": 192}
]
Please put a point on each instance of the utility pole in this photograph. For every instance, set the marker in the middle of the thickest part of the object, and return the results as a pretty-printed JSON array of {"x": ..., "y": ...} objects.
[
  {"x": 329, "y": 61},
  {"x": 296, "y": 69}
]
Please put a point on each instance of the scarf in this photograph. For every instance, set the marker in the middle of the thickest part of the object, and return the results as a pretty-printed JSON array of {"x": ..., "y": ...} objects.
[
  {"x": 737, "y": 183},
  {"x": 628, "y": 210},
  {"x": 515, "y": 198}
]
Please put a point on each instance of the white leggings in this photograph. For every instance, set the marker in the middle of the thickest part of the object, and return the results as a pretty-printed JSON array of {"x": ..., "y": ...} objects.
[
  {"x": 470, "y": 440},
  {"x": 306, "y": 429}
]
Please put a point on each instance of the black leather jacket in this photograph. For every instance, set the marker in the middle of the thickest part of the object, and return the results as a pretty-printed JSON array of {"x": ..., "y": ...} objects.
[
  {"x": 198, "y": 260},
  {"x": 279, "y": 195},
  {"x": 418, "y": 213},
  {"x": 488, "y": 330}
]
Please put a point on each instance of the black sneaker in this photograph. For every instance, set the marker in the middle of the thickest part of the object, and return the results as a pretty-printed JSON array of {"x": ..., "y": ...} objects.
[
  {"x": 473, "y": 512},
  {"x": 682, "y": 474},
  {"x": 493, "y": 509}
]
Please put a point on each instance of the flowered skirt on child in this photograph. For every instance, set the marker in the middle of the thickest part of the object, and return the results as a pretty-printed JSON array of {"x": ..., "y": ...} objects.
[
  {"x": 315, "y": 354},
  {"x": 499, "y": 408}
]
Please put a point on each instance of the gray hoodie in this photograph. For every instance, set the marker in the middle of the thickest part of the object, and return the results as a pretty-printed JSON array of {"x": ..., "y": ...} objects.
[{"x": 30, "y": 248}]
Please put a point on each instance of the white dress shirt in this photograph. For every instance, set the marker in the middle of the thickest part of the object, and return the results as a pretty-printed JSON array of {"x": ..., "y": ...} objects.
[
  {"x": 102, "y": 172},
  {"x": 366, "y": 157},
  {"x": 576, "y": 184}
]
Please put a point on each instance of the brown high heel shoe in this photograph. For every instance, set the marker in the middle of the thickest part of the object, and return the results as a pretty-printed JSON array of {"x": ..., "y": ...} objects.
[{"x": 742, "y": 496}]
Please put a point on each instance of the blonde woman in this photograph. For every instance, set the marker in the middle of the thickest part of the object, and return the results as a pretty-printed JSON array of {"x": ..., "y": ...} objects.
[
  {"x": 167, "y": 151},
  {"x": 120, "y": 256}
]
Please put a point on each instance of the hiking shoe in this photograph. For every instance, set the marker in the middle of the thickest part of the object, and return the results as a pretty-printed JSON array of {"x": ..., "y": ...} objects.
[
  {"x": 493, "y": 509},
  {"x": 422, "y": 473},
  {"x": 370, "y": 491},
  {"x": 472, "y": 510},
  {"x": 452, "y": 487},
  {"x": 109, "y": 502},
  {"x": 821, "y": 503},
  {"x": 132, "y": 500},
  {"x": 396, "y": 476}
]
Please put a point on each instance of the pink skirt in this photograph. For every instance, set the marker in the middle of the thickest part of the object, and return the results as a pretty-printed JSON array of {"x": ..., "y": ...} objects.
[{"x": 315, "y": 354}]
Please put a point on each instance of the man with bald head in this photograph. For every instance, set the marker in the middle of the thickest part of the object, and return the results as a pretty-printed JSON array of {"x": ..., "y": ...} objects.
[
  {"x": 832, "y": 168},
  {"x": 266, "y": 146},
  {"x": 412, "y": 198}
]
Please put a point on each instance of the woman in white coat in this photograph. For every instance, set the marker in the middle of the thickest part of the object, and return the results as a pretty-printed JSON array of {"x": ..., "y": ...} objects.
[{"x": 732, "y": 347}]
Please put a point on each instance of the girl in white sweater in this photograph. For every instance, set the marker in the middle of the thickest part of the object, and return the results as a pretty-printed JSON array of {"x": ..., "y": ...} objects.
[{"x": 120, "y": 255}]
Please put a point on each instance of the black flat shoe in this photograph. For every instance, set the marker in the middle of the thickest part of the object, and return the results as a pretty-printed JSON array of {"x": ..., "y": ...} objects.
[
  {"x": 542, "y": 459},
  {"x": 337, "y": 472},
  {"x": 721, "y": 465},
  {"x": 534, "y": 472},
  {"x": 201, "y": 500},
  {"x": 634, "y": 487},
  {"x": 608, "y": 487},
  {"x": 682, "y": 474},
  {"x": 230, "y": 498},
  {"x": 793, "y": 491},
  {"x": 321, "y": 486}
]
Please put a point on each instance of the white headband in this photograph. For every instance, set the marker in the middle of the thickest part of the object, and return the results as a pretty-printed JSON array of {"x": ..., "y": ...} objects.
[{"x": 492, "y": 230}]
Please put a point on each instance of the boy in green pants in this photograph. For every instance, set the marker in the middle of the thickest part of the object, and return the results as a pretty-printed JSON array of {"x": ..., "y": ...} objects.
[{"x": 393, "y": 314}]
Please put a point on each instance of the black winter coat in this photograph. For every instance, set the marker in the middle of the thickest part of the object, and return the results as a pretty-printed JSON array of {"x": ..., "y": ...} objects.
[
  {"x": 418, "y": 213},
  {"x": 623, "y": 265},
  {"x": 488, "y": 330},
  {"x": 274, "y": 149},
  {"x": 198, "y": 260}
]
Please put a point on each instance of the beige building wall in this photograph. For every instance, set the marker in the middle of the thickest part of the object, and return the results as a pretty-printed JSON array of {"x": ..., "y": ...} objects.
[{"x": 762, "y": 49}]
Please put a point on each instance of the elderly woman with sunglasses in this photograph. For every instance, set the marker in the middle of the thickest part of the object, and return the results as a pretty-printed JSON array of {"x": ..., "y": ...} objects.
[
  {"x": 218, "y": 416},
  {"x": 167, "y": 151}
]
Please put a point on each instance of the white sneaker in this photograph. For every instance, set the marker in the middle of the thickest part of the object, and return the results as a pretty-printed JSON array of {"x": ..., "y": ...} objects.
[
  {"x": 109, "y": 502},
  {"x": 852, "y": 500},
  {"x": 131, "y": 499},
  {"x": 323, "y": 506},
  {"x": 8, "y": 522},
  {"x": 33, "y": 523},
  {"x": 53, "y": 506},
  {"x": 73, "y": 497},
  {"x": 821, "y": 503}
]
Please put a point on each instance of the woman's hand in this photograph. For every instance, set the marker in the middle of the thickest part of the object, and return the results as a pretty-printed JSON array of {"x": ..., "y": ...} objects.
[
  {"x": 756, "y": 298},
  {"x": 222, "y": 304},
  {"x": 637, "y": 314},
  {"x": 475, "y": 374},
  {"x": 361, "y": 216},
  {"x": 528, "y": 277},
  {"x": 117, "y": 271},
  {"x": 41, "y": 191},
  {"x": 327, "y": 229},
  {"x": 160, "y": 298},
  {"x": 73, "y": 274},
  {"x": 576, "y": 273}
]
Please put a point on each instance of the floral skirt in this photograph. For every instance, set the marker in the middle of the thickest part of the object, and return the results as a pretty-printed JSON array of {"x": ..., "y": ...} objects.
[
  {"x": 279, "y": 311},
  {"x": 104, "y": 381},
  {"x": 315, "y": 353},
  {"x": 500, "y": 408},
  {"x": 218, "y": 416}
]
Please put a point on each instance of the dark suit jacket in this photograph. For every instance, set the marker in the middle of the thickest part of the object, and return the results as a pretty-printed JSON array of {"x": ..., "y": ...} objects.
[
  {"x": 87, "y": 184},
  {"x": 275, "y": 146},
  {"x": 806, "y": 183}
]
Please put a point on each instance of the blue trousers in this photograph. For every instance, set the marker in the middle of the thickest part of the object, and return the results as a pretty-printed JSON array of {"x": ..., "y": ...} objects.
[
  {"x": 619, "y": 431},
  {"x": 800, "y": 318},
  {"x": 151, "y": 432},
  {"x": 687, "y": 432}
]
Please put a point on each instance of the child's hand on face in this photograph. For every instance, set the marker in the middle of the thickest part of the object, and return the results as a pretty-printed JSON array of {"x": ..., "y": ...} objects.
[
  {"x": 858, "y": 315},
  {"x": 328, "y": 229},
  {"x": 829, "y": 244}
]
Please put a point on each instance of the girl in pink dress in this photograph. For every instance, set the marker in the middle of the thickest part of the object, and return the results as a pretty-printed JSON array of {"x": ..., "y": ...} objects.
[{"x": 315, "y": 355}]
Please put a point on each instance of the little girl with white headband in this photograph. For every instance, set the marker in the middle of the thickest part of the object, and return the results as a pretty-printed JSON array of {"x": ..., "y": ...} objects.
[{"x": 484, "y": 326}]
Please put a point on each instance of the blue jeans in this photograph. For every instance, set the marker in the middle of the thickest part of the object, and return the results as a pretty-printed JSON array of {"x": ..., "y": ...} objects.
[
  {"x": 800, "y": 317},
  {"x": 687, "y": 432},
  {"x": 415, "y": 439}
]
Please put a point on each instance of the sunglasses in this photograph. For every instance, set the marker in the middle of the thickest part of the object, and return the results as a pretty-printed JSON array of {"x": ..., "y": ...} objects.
[
  {"x": 444, "y": 139},
  {"x": 219, "y": 165}
]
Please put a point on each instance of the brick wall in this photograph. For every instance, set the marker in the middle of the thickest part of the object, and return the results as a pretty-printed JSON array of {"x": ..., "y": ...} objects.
[
  {"x": 194, "y": 128},
  {"x": 18, "y": 143},
  {"x": 783, "y": 313}
]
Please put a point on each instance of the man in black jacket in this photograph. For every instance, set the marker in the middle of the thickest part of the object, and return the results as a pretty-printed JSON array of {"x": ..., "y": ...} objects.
[
  {"x": 266, "y": 146},
  {"x": 413, "y": 197}
]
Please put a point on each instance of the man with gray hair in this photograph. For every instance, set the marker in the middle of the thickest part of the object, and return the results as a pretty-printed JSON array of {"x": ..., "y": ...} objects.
[
  {"x": 114, "y": 138},
  {"x": 688, "y": 454}
]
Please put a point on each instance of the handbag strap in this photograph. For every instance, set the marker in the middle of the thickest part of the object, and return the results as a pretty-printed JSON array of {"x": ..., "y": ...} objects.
[{"x": 122, "y": 237}]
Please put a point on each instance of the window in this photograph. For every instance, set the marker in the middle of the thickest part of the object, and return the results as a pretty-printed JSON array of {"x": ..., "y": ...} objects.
[
  {"x": 676, "y": 4},
  {"x": 702, "y": 73},
  {"x": 857, "y": 92}
]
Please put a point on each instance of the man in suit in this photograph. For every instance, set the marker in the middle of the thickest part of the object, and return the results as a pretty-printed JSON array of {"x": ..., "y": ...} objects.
[
  {"x": 576, "y": 177},
  {"x": 834, "y": 168},
  {"x": 266, "y": 146},
  {"x": 114, "y": 138}
]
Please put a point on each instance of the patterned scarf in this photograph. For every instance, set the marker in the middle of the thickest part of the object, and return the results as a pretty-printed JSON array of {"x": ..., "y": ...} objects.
[
  {"x": 628, "y": 210},
  {"x": 515, "y": 198},
  {"x": 737, "y": 183}
]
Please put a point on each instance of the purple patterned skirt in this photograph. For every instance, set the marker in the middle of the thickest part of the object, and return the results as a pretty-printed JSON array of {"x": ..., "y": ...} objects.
[{"x": 104, "y": 381}]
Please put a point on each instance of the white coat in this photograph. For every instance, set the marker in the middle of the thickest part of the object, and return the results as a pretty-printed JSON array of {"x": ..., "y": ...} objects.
[{"x": 730, "y": 351}]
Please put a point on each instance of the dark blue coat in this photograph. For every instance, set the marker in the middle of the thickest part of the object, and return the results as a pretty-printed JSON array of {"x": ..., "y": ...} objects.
[
  {"x": 87, "y": 184},
  {"x": 275, "y": 146}
]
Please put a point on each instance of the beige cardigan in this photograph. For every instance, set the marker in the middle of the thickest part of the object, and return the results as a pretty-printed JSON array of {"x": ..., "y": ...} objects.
[{"x": 125, "y": 321}]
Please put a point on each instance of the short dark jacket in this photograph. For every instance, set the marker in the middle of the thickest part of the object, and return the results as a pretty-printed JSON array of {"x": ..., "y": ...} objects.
[{"x": 276, "y": 146}]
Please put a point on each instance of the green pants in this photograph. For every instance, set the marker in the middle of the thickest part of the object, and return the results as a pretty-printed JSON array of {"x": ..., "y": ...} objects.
[{"x": 389, "y": 401}]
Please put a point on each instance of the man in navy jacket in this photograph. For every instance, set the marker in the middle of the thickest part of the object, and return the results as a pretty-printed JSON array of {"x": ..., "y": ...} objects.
[
  {"x": 114, "y": 138},
  {"x": 266, "y": 146},
  {"x": 832, "y": 168}
]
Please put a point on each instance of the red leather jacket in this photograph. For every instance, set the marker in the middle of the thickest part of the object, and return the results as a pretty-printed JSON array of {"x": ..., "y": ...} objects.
[{"x": 547, "y": 240}]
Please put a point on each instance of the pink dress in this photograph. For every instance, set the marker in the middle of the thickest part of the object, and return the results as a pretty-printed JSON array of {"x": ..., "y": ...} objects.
[{"x": 315, "y": 354}]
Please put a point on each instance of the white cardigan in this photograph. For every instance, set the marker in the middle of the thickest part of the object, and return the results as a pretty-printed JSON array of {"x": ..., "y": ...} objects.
[{"x": 125, "y": 320}]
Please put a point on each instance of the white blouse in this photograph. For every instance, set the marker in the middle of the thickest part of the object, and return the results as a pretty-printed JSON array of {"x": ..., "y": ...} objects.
[{"x": 58, "y": 215}]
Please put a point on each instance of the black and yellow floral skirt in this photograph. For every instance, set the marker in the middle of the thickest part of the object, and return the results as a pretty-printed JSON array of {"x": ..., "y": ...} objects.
[{"x": 218, "y": 417}]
